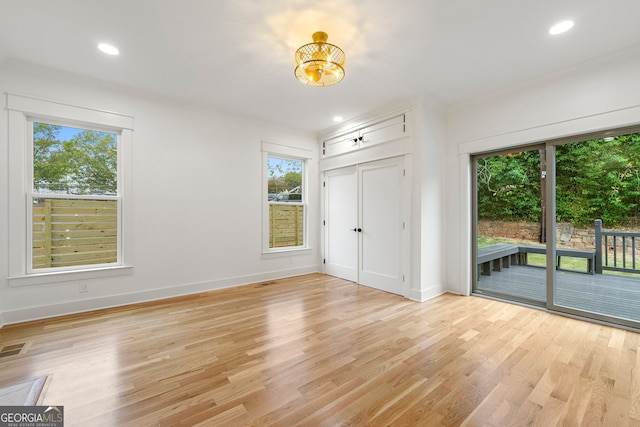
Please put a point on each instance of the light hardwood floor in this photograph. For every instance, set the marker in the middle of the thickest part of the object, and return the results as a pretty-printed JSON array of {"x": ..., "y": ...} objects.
[{"x": 320, "y": 351}]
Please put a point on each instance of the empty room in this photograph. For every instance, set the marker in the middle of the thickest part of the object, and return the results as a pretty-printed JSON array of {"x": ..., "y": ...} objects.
[{"x": 284, "y": 213}]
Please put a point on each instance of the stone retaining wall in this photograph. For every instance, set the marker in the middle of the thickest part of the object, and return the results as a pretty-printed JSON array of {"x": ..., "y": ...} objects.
[{"x": 567, "y": 235}]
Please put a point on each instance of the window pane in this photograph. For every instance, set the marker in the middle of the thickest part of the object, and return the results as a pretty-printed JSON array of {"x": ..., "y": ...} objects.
[
  {"x": 284, "y": 180},
  {"x": 74, "y": 232},
  {"x": 69, "y": 160}
]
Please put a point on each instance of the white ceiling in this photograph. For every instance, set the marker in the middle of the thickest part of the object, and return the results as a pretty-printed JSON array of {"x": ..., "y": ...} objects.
[{"x": 237, "y": 55}]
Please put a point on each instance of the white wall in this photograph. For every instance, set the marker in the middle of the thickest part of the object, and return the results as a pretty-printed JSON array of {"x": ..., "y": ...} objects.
[
  {"x": 598, "y": 95},
  {"x": 197, "y": 200},
  {"x": 431, "y": 227}
]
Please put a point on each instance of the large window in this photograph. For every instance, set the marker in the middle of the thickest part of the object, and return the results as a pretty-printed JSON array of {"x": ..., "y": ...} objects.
[
  {"x": 74, "y": 197},
  {"x": 70, "y": 213},
  {"x": 284, "y": 198}
]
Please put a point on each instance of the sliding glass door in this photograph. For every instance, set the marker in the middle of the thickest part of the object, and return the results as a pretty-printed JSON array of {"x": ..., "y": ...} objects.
[
  {"x": 558, "y": 225},
  {"x": 510, "y": 225},
  {"x": 597, "y": 238}
]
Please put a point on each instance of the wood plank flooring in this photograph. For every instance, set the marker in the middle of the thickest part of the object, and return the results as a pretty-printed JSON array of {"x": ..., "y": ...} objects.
[{"x": 319, "y": 351}]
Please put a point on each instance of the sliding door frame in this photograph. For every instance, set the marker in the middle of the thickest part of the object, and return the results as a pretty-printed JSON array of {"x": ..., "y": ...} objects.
[{"x": 550, "y": 223}]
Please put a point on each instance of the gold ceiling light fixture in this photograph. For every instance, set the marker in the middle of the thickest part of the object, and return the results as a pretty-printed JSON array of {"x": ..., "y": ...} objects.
[{"x": 319, "y": 63}]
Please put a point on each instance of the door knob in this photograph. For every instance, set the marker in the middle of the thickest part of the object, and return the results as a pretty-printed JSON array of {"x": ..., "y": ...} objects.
[{"x": 359, "y": 230}]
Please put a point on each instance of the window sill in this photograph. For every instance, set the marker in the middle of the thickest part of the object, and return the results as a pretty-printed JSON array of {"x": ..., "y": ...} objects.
[
  {"x": 67, "y": 276},
  {"x": 286, "y": 252}
]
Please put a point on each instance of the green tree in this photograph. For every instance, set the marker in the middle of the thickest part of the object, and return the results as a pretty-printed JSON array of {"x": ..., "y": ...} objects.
[
  {"x": 509, "y": 187},
  {"x": 84, "y": 164},
  {"x": 49, "y": 167},
  {"x": 598, "y": 178},
  {"x": 292, "y": 179},
  {"x": 283, "y": 174},
  {"x": 94, "y": 159}
]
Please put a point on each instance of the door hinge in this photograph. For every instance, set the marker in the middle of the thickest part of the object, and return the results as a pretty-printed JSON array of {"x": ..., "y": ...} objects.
[
  {"x": 403, "y": 278},
  {"x": 403, "y": 225},
  {"x": 324, "y": 260},
  {"x": 324, "y": 222},
  {"x": 324, "y": 183},
  {"x": 404, "y": 172}
]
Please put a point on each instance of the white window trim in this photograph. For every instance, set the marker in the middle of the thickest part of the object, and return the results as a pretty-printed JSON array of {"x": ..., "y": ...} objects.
[
  {"x": 288, "y": 152},
  {"x": 22, "y": 110}
]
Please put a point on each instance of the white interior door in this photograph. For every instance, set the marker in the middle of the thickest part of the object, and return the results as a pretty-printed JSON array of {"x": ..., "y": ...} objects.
[
  {"x": 341, "y": 223},
  {"x": 381, "y": 190},
  {"x": 364, "y": 224}
]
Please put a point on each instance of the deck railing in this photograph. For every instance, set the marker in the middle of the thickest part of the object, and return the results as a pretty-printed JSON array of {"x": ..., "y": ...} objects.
[{"x": 616, "y": 250}]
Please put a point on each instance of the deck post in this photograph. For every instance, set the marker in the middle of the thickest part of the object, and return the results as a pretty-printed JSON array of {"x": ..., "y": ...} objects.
[{"x": 598, "y": 260}]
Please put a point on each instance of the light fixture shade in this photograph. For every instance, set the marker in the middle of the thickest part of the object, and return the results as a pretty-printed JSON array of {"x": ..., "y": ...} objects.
[{"x": 319, "y": 63}]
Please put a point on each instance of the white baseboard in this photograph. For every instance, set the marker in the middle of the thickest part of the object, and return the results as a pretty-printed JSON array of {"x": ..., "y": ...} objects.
[
  {"x": 423, "y": 295},
  {"x": 47, "y": 311}
]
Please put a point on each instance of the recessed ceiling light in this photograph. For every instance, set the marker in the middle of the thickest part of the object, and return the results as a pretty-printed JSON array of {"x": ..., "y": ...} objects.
[
  {"x": 108, "y": 49},
  {"x": 338, "y": 119},
  {"x": 561, "y": 27}
]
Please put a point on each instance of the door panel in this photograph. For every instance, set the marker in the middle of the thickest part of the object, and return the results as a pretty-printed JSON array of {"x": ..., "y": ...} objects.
[
  {"x": 597, "y": 185},
  {"x": 381, "y": 222},
  {"x": 385, "y": 131},
  {"x": 341, "y": 204},
  {"x": 367, "y": 198},
  {"x": 341, "y": 144},
  {"x": 509, "y": 227}
]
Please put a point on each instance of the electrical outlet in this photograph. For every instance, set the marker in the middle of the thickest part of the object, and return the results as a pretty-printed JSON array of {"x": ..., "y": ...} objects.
[{"x": 84, "y": 288}]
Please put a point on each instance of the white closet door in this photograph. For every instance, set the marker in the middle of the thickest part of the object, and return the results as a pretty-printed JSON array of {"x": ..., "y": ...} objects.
[
  {"x": 364, "y": 224},
  {"x": 380, "y": 198},
  {"x": 341, "y": 219}
]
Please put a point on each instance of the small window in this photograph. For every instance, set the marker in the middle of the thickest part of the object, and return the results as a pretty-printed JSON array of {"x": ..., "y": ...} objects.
[
  {"x": 74, "y": 213},
  {"x": 286, "y": 201}
]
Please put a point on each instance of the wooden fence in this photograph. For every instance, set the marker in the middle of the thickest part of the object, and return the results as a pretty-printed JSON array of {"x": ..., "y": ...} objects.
[
  {"x": 74, "y": 232},
  {"x": 286, "y": 225}
]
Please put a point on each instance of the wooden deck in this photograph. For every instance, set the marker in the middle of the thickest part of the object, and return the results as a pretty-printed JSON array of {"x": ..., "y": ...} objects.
[{"x": 605, "y": 294}]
